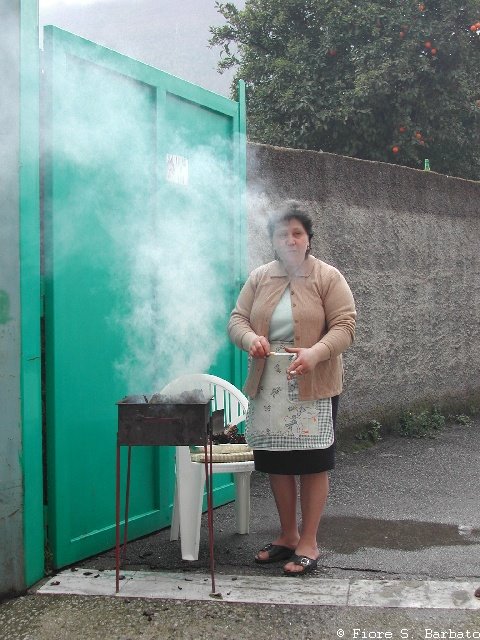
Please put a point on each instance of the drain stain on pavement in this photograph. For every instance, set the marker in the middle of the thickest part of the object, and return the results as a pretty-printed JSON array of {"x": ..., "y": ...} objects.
[{"x": 347, "y": 534}]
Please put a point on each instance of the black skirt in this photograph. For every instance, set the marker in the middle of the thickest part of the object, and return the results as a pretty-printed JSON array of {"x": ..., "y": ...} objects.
[{"x": 299, "y": 461}]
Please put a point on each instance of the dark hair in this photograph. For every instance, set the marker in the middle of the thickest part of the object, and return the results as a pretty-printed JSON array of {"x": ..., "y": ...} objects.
[{"x": 290, "y": 210}]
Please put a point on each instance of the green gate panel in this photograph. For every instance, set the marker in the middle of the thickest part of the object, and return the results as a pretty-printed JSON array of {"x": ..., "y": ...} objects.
[{"x": 144, "y": 183}]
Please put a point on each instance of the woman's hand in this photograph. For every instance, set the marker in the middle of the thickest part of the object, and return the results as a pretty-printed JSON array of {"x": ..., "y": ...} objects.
[
  {"x": 306, "y": 360},
  {"x": 260, "y": 348}
]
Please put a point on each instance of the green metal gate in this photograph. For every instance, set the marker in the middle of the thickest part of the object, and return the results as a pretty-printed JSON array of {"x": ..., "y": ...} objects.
[{"x": 143, "y": 190}]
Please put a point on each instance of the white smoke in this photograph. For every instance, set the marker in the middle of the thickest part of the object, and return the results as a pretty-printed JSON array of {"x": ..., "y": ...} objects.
[
  {"x": 179, "y": 271},
  {"x": 167, "y": 246},
  {"x": 259, "y": 207},
  {"x": 9, "y": 158}
]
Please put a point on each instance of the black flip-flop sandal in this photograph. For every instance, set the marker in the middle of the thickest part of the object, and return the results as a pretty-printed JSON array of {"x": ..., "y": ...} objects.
[
  {"x": 307, "y": 563},
  {"x": 276, "y": 553}
]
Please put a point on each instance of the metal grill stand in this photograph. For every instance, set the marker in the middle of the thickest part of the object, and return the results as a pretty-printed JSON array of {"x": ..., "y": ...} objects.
[{"x": 164, "y": 424}]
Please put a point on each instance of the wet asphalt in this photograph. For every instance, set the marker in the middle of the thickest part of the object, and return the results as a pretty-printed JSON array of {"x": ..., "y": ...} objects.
[{"x": 401, "y": 509}]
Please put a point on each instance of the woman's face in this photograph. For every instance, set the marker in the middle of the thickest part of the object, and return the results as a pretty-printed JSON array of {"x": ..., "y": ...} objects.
[{"x": 290, "y": 241}]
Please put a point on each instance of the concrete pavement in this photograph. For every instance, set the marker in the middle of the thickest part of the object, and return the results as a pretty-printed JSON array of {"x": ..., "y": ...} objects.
[{"x": 403, "y": 518}]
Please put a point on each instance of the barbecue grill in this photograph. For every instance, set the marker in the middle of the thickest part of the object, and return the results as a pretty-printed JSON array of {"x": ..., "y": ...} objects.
[
  {"x": 172, "y": 422},
  {"x": 183, "y": 419}
]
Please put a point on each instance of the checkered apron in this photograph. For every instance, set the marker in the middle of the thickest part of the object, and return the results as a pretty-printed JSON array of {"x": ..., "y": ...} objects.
[{"x": 277, "y": 420}]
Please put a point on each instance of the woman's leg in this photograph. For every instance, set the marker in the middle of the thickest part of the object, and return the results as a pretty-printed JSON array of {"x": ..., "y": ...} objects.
[
  {"x": 284, "y": 490},
  {"x": 313, "y": 497}
]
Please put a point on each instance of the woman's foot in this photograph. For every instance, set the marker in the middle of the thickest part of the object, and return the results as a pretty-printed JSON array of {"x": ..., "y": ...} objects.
[
  {"x": 301, "y": 564},
  {"x": 274, "y": 553},
  {"x": 304, "y": 561},
  {"x": 280, "y": 547}
]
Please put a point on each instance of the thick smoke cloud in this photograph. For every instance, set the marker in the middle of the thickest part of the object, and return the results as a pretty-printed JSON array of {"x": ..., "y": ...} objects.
[
  {"x": 177, "y": 286},
  {"x": 9, "y": 158},
  {"x": 162, "y": 248}
]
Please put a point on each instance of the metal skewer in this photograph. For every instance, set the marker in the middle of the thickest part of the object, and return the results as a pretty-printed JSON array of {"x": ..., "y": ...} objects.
[{"x": 280, "y": 353}]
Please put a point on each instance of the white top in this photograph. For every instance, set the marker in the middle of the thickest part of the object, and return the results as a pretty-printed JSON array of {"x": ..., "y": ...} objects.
[{"x": 281, "y": 323}]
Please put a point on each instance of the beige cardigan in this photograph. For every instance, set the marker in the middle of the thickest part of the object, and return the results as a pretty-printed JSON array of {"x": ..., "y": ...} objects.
[{"x": 323, "y": 310}]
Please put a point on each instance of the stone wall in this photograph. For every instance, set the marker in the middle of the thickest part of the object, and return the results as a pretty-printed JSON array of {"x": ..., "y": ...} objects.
[{"x": 408, "y": 242}]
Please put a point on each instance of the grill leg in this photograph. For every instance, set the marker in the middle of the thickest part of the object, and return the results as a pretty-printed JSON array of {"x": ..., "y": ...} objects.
[
  {"x": 117, "y": 523},
  {"x": 127, "y": 501}
]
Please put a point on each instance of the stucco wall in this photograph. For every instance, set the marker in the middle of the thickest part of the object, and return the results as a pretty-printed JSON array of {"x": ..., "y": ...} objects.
[
  {"x": 11, "y": 490},
  {"x": 408, "y": 243}
]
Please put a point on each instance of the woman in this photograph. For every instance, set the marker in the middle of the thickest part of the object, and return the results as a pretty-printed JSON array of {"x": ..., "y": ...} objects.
[{"x": 295, "y": 316}]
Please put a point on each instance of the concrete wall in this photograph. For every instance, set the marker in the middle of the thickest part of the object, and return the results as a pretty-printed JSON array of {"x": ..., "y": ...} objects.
[
  {"x": 11, "y": 499},
  {"x": 408, "y": 243},
  {"x": 21, "y": 491}
]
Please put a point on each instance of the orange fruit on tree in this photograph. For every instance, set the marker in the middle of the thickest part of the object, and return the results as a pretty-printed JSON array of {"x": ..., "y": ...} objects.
[
  {"x": 402, "y": 128},
  {"x": 433, "y": 51},
  {"x": 418, "y": 135},
  {"x": 395, "y": 149},
  {"x": 428, "y": 44}
]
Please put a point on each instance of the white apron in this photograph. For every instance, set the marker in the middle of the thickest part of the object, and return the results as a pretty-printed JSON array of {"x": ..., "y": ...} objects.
[{"x": 277, "y": 420}]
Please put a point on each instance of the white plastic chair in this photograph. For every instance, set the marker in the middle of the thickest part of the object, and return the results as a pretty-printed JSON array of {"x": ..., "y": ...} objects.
[{"x": 190, "y": 476}]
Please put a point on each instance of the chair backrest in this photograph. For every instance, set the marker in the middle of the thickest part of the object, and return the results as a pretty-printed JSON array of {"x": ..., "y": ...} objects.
[{"x": 225, "y": 395}]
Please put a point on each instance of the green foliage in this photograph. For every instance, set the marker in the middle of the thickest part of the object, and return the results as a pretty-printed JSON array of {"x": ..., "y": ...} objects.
[
  {"x": 463, "y": 419},
  {"x": 371, "y": 433},
  {"x": 421, "y": 425},
  {"x": 361, "y": 79}
]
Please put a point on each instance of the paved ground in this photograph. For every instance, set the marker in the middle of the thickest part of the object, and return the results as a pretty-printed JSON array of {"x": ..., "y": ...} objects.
[
  {"x": 100, "y": 618},
  {"x": 406, "y": 508},
  {"x": 404, "y": 511}
]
